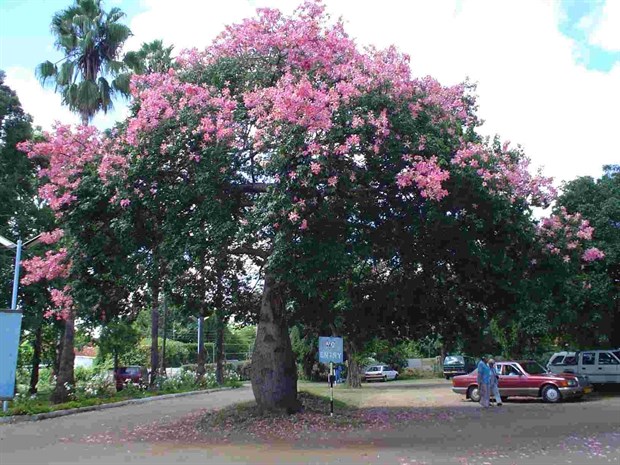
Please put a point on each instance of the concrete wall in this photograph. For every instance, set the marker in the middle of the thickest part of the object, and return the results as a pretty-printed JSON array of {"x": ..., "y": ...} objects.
[
  {"x": 83, "y": 361},
  {"x": 422, "y": 363}
]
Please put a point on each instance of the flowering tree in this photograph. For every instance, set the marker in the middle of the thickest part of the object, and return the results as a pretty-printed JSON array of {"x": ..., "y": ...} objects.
[
  {"x": 287, "y": 126},
  {"x": 291, "y": 145},
  {"x": 83, "y": 267}
]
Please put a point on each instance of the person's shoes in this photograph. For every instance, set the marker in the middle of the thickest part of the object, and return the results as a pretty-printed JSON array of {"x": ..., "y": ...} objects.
[{"x": 499, "y": 405}]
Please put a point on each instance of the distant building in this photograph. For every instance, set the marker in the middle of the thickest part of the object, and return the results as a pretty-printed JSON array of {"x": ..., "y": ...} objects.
[{"x": 85, "y": 357}]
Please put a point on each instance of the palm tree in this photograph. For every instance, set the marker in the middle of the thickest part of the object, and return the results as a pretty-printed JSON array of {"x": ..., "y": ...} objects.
[
  {"x": 91, "y": 41},
  {"x": 152, "y": 57}
]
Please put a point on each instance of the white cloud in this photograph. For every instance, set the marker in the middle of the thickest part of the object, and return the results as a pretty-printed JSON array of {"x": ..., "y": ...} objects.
[
  {"x": 43, "y": 104},
  {"x": 606, "y": 31}
]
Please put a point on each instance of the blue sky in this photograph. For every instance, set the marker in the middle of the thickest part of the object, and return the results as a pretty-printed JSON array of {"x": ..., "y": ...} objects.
[
  {"x": 25, "y": 37},
  {"x": 548, "y": 72},
  {"x": 592, "y": 56}
]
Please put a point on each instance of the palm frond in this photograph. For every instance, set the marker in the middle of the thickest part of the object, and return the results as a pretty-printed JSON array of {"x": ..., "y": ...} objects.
[
  {"x": 105, "y": 95},
  {"x": 66, "y": 75},
  {"x": 45, "y": 71},
  {"x": 121, "y": 83}
]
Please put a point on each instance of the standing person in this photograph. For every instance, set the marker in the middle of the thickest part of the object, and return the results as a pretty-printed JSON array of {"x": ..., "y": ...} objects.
[
  {"x": 484, "y": 381},
  {"x": 495, "y": 383}
]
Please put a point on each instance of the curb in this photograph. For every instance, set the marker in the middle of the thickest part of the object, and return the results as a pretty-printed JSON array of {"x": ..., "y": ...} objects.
[{"x": 61, "y": 413}]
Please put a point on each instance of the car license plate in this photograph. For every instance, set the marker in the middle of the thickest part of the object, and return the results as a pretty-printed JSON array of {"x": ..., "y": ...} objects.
[{"x": 587, "y": 390}]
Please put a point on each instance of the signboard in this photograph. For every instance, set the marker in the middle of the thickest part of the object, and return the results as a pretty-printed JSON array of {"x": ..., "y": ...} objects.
[
  {"x": 10, "y": 326},
  {"x": 330, "y": 350}
]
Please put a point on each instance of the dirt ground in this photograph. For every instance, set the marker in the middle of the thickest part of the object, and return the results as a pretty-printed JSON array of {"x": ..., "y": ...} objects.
[{"x": 401, "y": 423}]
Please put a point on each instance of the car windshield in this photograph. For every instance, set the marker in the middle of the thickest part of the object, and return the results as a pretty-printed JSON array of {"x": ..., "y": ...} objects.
[
  {"x": 374, "y": 369},
  {"x": 130, "y": 371},
  {"x": 533, "y": 368},
  {"x": 453, "y": 360}
]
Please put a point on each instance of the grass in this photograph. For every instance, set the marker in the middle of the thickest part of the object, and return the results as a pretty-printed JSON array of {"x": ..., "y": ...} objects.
[{"x": 356, "y": 398}]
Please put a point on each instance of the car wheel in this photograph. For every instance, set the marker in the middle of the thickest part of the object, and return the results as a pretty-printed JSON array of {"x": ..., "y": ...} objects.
[
  {"x": 395, "y": 376},
  {"x": 551, "y": 394},
  {"x": 384, "y": 378},
  {"x": 474, "y": 394},
  {"x": 448, "y": 377}
]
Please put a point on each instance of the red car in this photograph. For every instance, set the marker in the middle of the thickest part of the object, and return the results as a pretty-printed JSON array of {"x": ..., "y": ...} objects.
[
  {"x": 524, "y": 378},
  {"x": 134, "y": 374}
]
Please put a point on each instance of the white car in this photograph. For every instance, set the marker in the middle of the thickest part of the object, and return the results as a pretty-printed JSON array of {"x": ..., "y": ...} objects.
[
  {"x": 598, "y": 366},
  {"x": 379, "y": 373}
]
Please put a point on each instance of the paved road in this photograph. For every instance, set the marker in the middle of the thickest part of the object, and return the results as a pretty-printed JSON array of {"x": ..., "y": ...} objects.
[{"x": 449, "y": 431}]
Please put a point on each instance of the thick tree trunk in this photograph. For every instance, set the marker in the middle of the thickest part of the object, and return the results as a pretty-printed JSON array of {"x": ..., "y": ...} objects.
[
  {"x": 65, "y": 382},
  {"x": 201, "y": 369},
  {"x": 36, "y": 360},
  {"x": 354, "y": 371},
  {"x": 273, "y": 373},
  {"x": 154, "y": 333}
]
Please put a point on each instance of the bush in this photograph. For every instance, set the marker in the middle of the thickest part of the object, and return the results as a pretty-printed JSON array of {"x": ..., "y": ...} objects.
[
  {"x": 414, "y": 373},
  {"x": 244, "y": 370}
]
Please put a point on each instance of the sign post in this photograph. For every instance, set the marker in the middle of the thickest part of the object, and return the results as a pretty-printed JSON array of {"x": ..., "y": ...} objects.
[
  {"x": 10, "y": 327},
  {"x": 330, "y": 351}
]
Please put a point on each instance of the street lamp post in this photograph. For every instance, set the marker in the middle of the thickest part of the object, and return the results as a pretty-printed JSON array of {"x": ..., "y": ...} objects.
[{"x": 10, "y": 327}]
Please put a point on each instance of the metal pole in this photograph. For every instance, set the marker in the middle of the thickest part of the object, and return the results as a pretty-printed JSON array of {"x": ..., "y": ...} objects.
[
  {"x": 18, "y": 256},
  {"x": 331, "y": 387},
  {"x": 199, "y": 332}
]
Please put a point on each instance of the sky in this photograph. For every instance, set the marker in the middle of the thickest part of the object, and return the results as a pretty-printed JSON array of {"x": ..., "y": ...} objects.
[{"x": 548, "y": 72}]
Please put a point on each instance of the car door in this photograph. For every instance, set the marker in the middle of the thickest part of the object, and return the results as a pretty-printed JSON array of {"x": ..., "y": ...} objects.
[
  {"x": 587, "y": 366},
  {"x": 609, "y": 367},
  {"x": 510, "y": 380}
]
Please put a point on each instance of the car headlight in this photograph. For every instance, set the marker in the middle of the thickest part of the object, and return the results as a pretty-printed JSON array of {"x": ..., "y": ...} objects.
[{"x": 572, "y": 383}]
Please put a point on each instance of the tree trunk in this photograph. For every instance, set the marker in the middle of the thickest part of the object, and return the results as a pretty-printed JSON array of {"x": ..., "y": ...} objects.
[
  {"x": 163, "y": 345},
  {"x": 273, "y": 373},
  {"x": 58, "y": 351},
  {"x": 354, "y": 375},
  {"x": 219, "y": 331},
  {"x": 219, "y": 345},
  {"x": 154, "y": 333},
  {"x": 36, "y": 360},
  {"x": 65, "y": 382}
]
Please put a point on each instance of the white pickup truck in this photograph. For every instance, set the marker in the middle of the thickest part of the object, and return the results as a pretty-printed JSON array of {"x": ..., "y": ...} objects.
[{"x": 598, "y": 366}]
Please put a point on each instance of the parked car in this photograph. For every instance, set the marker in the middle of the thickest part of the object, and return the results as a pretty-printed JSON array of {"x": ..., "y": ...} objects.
[
  {"x": 454, "y": 365},
  {"x": 134, "y": 374},
  {"x": 599, "y": 366},
  {"x": 525, "y": 378},
  {"x": 379, "y": 373}
]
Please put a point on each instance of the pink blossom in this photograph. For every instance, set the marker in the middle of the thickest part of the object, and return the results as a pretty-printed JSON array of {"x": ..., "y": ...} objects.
[
  {"x": 592, "y": 254},
  {"x": 304, "y": 224},
  {"x": 52, "y": 237},
  {"x": 315, "y": 168},
  {"x": 293, "y": 216},
  {"x": 332, "y": 181}
]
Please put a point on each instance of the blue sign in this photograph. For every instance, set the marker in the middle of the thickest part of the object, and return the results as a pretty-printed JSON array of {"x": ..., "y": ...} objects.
[
  {"x": 330, "y": 350},
  {"x": 10, "y": 326}
]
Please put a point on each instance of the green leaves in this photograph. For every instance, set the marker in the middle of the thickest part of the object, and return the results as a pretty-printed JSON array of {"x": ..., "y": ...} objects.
[{"x": 91, "y": 41}]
